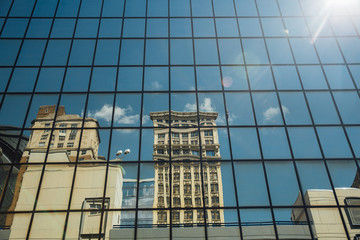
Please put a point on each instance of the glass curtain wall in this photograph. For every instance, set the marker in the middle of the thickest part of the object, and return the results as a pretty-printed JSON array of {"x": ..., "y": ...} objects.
[{"x": 168, "y": 119}]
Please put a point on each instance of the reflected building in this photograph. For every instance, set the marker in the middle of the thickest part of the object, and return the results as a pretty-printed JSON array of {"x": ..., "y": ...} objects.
[
  {"x": 57, "y": 180},
  {"x": 146, "y": 199},
  {"x": 326, "y": 221},
  {"x": 185, "y": 183}
]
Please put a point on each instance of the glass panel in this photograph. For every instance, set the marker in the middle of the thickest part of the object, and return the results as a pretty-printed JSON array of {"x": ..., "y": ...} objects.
[
  {"x": 68, "y": 8},
  {"x": 250, "y": 27},
  {"x": 226, "y": 27},
  {"x": 182, "y": 78},
  {"x": 100, "y": 107},
  {"x": 122, "y": 140},
  {"x": 333, "y": 142},
  {"x": 255, "y": 52},
  {"x": 50, "y": 80},
  {"x": 113, "y": 8},
  {"x": 107, "y": 52},
  {"x": 132, "y": 52},
  {"x": 154, "y": 102},
  {"x": 103, "y": 79},
  {"x": 286, "y": 78},
  {"x": 274, "y": 143},
  {"x": 294, "y": 108},
  {"x": 157, "y": 27},
  {"x": 312, "y": 77},
  {"x": 134, "y": 28},
  {"x": 267, "y": 109},
  {"x": 283, "y": 185},
  {"x": 260, "y": 77},
  {"x": 230, "y": 51},
  {"x": 313, "y": 176},
  {"x": 213, "y": 102},
  {"x": 234, "y": 78},
  {"x": 181, "y": 51},
  {"x": 206, "y": 51},
  {"x": 244, "y": 143},
  {"x": 201, "y": 8},
  {"x": 304, "y": 143},
  {"x": 257, "y": 217},
  {"x": 23, "y": 80},
  {"x": 13, "y": 110},
  {"x": 31, "y": 53},
  {"x": 86, "y": 28},
  {"x": 82, "y": 52},
  {"x": 63, "y": 28},
  {"x": 303, "y": 50},
  {"x": 156, "y": 52},
  {"x": 322, "y": 107},
  {"x": 208, "y": 78},
  {"x": 130, "y": 78},
  {"x": 203, "y": 27},
  {"x": 9, "y": 50},
  {"x": 156, "y": 78},
  {"x": 39, "y": 28},
  {"x": 279, "y": 51},
  {"x": 224, "y": 8},
  {"x": 57, "y": 52},
  {"x": 239, "y": 114},
  {"x": 251, "y": 185},
  {"x": 180, "y": 27},
  {"x": 328, "y": 50},
  {"x": 77, "y": 79},
  {"x": 338, "y": 77}
]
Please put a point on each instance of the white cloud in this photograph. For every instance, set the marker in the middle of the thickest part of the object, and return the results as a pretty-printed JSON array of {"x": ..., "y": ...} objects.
[
  {"x": 121, "y": 115},
  {"x": 156, "y": 85},
  {"x": 145, "y": 118},
  {"x": 205, "y": 106},
  {"x": 272, "y": 112}
]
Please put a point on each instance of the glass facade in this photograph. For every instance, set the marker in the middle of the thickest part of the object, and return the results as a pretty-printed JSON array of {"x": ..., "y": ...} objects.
[{"x": 169, "y": 119}]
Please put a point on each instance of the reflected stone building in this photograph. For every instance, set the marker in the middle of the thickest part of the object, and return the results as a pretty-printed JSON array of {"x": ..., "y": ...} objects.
[
  {"x": 185, "y": 183},
  {"x": 57, "y": 181}
]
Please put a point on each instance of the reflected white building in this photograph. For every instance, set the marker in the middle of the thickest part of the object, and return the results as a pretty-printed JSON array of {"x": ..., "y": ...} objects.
[{"x": 53, "y": 192}]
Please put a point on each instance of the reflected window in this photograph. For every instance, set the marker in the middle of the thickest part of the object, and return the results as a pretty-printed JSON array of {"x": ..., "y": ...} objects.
[{"x": 353, "y": 212}]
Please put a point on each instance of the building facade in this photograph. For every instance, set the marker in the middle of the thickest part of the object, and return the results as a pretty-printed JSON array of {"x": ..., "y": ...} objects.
[
  {"x": 278, "y": 79},
  {"x": 185, "y": 184}
]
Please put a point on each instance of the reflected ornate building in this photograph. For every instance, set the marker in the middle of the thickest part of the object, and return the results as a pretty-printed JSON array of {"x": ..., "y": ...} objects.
[
  {"x": 87, "y": 190},
  {"x": 185, "y": 182}
]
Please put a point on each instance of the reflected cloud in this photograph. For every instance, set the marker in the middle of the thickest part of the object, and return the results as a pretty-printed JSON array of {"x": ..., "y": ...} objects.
[
  {"x": 145, "y": 119},
  {"x": 156, "y": 85},
  {"x": 205, "y": 106},
  {"x": 121, "y": 115},
  {"x": 272, "y": 112}
]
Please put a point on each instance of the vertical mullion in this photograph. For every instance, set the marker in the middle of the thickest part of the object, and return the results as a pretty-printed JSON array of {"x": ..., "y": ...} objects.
[{"x": 141, "y": 124}]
